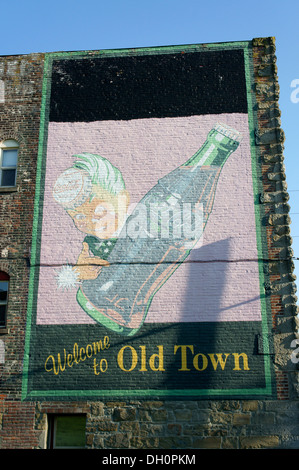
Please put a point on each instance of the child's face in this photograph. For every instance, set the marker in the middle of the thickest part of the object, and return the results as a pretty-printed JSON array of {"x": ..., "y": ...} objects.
[{"x": 102, "y": 215}]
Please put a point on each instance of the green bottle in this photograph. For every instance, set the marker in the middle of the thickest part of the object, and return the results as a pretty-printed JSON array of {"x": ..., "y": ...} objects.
[{"x": 157, "y": 237}]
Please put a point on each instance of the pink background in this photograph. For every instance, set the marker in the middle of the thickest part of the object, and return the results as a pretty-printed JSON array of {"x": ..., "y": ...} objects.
[{"x": 220, "y": 280}]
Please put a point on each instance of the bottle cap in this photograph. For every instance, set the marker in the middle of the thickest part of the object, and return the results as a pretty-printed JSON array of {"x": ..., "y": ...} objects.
[
  {"x": 72, "y": 188},
  {"x": 229, "y": 132}
]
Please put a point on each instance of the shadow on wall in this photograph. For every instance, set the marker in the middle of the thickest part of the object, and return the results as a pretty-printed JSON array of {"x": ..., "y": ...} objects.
[
  {"x": 206, "y": 282},
  {"x": 213, "y": 354},
  {"x": 196, "y": 335},
  {"x": 186, "y": 359},
  {"x": 174, "y": 354}
]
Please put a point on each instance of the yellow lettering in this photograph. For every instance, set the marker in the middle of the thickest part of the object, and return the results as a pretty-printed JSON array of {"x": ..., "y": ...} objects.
[
  {"x": 70, "y": 360},
  {"x": 81, "y": 358},
  {"x": 76, "y": 353},
  {"x": 95, "y": 367},
  {"x": 120, "y": 358},
  {"x": 106, "y": 342},
  {"x": 183, "y": 355},
  {"x": 59, "y": 362},
  {"x": 204, "y": 362},
  {"x": 159, "y": 358},
  {"x": 237, "y": 362},
  {"x": 143, "y": 359},
  {"x": 89, "y": 348},
  {"x": 77, "y": 357},
  {"x": 53, "y": 361},
  {"x": 59, "y": 365},
  {"x": 103, "y": 365},
  {"x": 101, "y": 345},
  {"x": 219, "y": 360},
  {"x": 201, "y": 361}
]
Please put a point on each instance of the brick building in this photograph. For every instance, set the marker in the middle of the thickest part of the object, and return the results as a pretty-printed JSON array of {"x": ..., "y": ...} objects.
[{"x": 113, "y": 334}]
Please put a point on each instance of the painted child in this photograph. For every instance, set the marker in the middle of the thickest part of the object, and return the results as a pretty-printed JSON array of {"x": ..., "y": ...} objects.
[{"x": 93, "y": 193}]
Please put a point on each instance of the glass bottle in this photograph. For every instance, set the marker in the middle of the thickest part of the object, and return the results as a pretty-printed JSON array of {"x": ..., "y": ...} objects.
[{"x": 157, "y": 237}]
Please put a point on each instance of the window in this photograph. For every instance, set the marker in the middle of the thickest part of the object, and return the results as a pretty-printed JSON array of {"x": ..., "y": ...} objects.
[
  {"x": 8, "y": 163},
  {"x": 66, "y": 431},
  {"x": 4, "y": 283}
]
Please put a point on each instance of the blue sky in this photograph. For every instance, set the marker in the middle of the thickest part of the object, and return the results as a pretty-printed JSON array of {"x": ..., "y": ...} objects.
[{"x": 71, "y": 25}]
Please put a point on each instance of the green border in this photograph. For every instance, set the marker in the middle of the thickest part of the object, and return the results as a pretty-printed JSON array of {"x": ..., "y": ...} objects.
[
  {"x": 178, "y": 394},
  {"x": 268, "y": 391}
]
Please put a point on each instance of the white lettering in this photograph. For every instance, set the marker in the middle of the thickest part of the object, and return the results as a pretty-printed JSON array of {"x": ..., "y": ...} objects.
[{"x": 295, "y": 353}]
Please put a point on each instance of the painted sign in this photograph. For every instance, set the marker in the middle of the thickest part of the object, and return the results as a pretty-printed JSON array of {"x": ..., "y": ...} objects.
[{"x": 146, "y": 274}]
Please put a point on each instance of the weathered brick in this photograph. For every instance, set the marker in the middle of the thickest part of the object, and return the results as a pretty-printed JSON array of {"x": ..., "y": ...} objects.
[{"x": 145, "y": 424}]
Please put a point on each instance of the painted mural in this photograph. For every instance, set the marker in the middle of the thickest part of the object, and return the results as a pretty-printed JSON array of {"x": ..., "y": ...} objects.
[{"x": 146, "y": 275}]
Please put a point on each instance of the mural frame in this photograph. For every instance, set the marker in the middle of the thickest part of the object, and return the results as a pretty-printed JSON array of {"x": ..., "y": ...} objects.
[{"x": 29, "y": 391}]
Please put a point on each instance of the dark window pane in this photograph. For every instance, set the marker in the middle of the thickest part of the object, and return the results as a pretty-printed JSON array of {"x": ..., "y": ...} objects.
[
  {"x": 3, "y": 295},
  {"x": 2, "y": 315},
  {"x": 3, "y": 291},
  {"x": 8, "y": 177}
]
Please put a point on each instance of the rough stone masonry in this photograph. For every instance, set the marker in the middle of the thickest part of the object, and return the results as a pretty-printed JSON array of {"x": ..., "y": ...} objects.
[{"x": 193, "y": 403}]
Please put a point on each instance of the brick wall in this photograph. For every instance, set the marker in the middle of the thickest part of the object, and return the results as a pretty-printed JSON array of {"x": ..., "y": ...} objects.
[
  {"x": 19, "y": 120},
  {"x": 145, "y": 424}
]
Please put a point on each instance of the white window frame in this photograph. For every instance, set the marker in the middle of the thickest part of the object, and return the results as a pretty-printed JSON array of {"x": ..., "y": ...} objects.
[{"x": 9, "y": 144}]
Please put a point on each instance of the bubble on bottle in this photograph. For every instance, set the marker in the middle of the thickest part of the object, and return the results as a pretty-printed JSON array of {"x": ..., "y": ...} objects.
[{"x": 106, "y": 286}]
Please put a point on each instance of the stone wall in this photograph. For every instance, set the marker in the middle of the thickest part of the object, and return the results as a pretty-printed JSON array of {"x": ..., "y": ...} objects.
[
  {"x": 230, "y": 424},
  {"x": 281, "y": 289}
]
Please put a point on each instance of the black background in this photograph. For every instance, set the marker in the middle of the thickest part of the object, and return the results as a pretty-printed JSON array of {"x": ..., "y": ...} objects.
[{"x": 145, "y": 86}]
